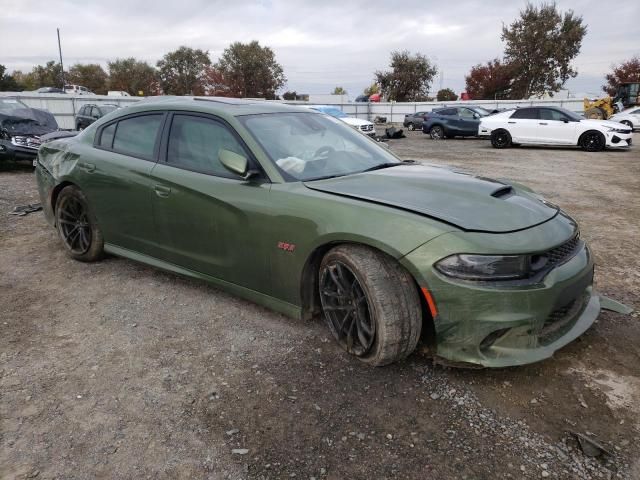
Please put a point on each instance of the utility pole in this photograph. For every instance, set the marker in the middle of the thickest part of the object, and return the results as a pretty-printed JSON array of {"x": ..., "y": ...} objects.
[{"x": 61, "y": 66}]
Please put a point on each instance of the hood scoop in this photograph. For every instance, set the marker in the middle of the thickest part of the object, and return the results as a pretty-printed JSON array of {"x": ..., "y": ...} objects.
[{"x": 465, "y": 201}]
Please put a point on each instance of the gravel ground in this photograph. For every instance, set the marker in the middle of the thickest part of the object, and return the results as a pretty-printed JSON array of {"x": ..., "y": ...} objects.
[{"x": 117, "y": 370}]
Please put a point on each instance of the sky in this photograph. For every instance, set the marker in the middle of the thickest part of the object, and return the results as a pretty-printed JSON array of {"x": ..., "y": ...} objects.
[{"x": 320, "y": 44}]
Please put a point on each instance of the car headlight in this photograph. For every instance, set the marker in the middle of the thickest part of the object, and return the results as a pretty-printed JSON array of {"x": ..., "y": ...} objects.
[
  {"x": 486, "y": 267},
  {"x": 19, "y": 140},
  {"x": 618, "y": 130}
]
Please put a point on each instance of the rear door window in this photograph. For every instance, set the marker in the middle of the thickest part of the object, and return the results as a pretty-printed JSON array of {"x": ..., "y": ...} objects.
[
  {"x": 136, "y": 136},
  {"x": 195, "y": 143},
  {"x": 466, "y": 113},
  {"x": 550, "y": 114},
  {"x": 447, "y": 111}
]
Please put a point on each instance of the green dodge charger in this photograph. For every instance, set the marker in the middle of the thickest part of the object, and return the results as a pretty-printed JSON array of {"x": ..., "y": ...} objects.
[{"x": 297, "y": 211}]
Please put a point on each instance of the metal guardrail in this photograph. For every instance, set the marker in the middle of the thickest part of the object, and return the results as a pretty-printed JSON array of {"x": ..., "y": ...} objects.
[{"x": 64, "y": 107}]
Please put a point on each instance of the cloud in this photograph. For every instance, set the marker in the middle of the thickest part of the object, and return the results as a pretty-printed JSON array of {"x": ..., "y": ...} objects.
[{"x": 320, "y": 44}]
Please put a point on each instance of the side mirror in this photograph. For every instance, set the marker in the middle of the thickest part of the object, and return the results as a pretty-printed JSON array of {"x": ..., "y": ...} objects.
[
  {"x": 236, "y": 163},
  {"x": 476, "y": 116}
]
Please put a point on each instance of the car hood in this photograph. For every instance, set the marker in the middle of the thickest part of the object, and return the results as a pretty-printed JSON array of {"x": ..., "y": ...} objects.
[
  {"x": 28, "y": 121},
  {"x": 460, "y": 199},
  {"x": 355, "y": 122},
  {"x": 604, "y": 123}
]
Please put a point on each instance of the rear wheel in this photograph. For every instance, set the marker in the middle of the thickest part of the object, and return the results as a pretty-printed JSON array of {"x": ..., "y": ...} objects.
[
  {"x": 370, "y": 304},
  {"x": 436, "y": 132},
  {"x": 592, "y": 141},
  {"x": 500, "y": 139},
  {"x": 411, "y": 127},
  {"x": 77, "y": 227}
]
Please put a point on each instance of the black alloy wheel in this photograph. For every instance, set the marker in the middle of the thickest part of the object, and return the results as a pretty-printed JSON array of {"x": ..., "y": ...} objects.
[
  {"x": 346, "y": 308},
  {"x": 593, "y": 141}
]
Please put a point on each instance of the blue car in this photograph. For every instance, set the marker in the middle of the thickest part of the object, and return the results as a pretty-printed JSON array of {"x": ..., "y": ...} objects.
[{"x": 453, "y": 122}]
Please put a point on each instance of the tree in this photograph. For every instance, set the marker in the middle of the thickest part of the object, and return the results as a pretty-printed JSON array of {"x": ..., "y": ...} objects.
[
  {"x": 8, "y": 82},
  {"x": 446, "y": 95},
  {"x": 339, "y": 91},
  {"x": 182, "y": 71},
  {"x": 410, "y": 77},
  {"x": 133, "y": 76},
  {"x": 49, "y": 75},
  {"x": 290, "y": 95},
  {"x": 489, "y": 81},
  {"x": 371, "y": 89},
  {"x": 251, "y": 70},
  {"x": 214, "y": 83},
  {"x": 628, "y": 71},
  {"x": 540, "y": 46},
  {"x": 90, "y": 75}
]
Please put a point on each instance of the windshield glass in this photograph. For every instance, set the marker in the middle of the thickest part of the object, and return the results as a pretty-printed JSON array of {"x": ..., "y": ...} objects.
[
  {"x": 482, "y": 111},
  {"x": 308, "y": 146},
  {"x": 334, "y": 112},
  {"x": 8, "y": 105},
  {"x": 108, "y": 108}
]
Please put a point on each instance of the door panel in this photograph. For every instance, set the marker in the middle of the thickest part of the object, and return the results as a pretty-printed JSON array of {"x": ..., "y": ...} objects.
[{"x": 212, "y": 225}]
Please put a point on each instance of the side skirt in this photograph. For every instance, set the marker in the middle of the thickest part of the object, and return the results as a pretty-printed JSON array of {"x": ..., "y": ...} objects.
[{"x": 260, "y": 298}]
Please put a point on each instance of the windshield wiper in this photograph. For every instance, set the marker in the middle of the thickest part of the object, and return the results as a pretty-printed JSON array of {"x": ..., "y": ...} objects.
[{"x": 381, "y": 166}]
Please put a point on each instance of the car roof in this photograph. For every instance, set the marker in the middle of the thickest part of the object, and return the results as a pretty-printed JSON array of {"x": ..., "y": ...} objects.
[{"x": 217, "y": 105}]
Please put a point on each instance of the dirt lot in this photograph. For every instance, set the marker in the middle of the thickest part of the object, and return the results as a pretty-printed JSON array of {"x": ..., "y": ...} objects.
[{"x": 117, "y": 370}]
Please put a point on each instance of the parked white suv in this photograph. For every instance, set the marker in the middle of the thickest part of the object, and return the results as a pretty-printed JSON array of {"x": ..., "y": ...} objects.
[
  {"x": 553, "y": 126},
  {"x": 77, "y": 90},
  {"x": 364, "y": 126}
]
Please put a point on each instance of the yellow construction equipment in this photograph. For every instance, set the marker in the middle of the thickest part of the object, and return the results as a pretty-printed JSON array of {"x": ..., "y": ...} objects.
[{"x": 627, "y": 95}]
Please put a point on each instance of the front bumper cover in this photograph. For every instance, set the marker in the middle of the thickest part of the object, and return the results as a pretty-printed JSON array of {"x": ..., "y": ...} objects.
[{"x": 9, "y": 151}]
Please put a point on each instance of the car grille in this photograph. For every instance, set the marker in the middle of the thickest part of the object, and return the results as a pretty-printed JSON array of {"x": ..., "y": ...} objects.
[
  {"x": 562, "y": 319},
  {"x": 366, "y": 128},
  {"x": 565, "y": 252}
]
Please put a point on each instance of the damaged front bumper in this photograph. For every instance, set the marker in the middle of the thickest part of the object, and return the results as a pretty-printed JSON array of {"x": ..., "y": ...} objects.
[
  {"x": 498, "y": 326},
  {"x": 11, "y": 151}
]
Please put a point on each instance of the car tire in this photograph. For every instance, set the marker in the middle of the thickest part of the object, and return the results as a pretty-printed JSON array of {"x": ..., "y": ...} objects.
[
  {"x": 77, "y": 226},
  {"x": 436, "y": 132},
  {"x": 592, "y": 141},
  {"x": 500, "y": 139},
  {"x": 411, "y": 127},
  {"x": 370, "y": 304}
]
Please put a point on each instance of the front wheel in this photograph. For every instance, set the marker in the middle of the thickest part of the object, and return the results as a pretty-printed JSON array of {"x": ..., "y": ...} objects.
[
  {"x": 370, "y": 304},
  {"x": 500, "y": 139},
  {"x": 77, "y": 227},
  {"x": 411, "y": 127},
  {"x": 436, "y": 132},
  {"x": 592, "y": 141}
]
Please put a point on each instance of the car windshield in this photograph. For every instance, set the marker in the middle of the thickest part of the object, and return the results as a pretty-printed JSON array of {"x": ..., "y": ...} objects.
[
  {"x": 308, "y": 146},
  {"x": 334, "y": 112},
  {"x": 482, "y": 111},
  {"x": 108, "y": 108},
  {"x": 572, "y": 115},
  {"x": 8, "y": 105}
]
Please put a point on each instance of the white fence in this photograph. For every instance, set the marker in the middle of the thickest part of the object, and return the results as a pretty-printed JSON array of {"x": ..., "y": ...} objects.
[{"x": 65, "y": 107}]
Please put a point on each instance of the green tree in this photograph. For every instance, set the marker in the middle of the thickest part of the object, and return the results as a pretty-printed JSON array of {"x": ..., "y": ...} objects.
[
  {"x": 89, "y": 75},
  {"x": 628, "y": 71},
  {"x": 182, "y": 71},
  {"x": 409, "y": 79},
  {"x": 489, "y": 81},
  {"x": 540, "y": 46},
  {"x": 290, "y": 95},
  {"x": 133, "y": 76},
  {"x": 371, "y": 89},
  {"x": 446, "y": 95},
  {"x": 251, "y": 70},
  {"x": 8, "y": 82},
  {"x": 25, "y": 81},
  {"x": 49, "y": 75},
  {"x": 339, "y": 91}
]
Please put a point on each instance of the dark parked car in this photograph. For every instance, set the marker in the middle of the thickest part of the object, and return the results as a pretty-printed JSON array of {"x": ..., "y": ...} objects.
[
  {"x": 21, "y": 128},
  {"x": 90, "y": 113},
  {"x": 454, "y": 122},
  {"x": 50, "y": 90},
  {"x": 413, "y": 121}
]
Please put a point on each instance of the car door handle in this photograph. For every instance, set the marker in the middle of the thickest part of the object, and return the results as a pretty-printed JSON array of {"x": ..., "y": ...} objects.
[
  {"x": 511, "y": 122},
  {"x": 542, "y": 123},
  {"x": 162, "y": 191},
  {"x": 88, "y": 167}
]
